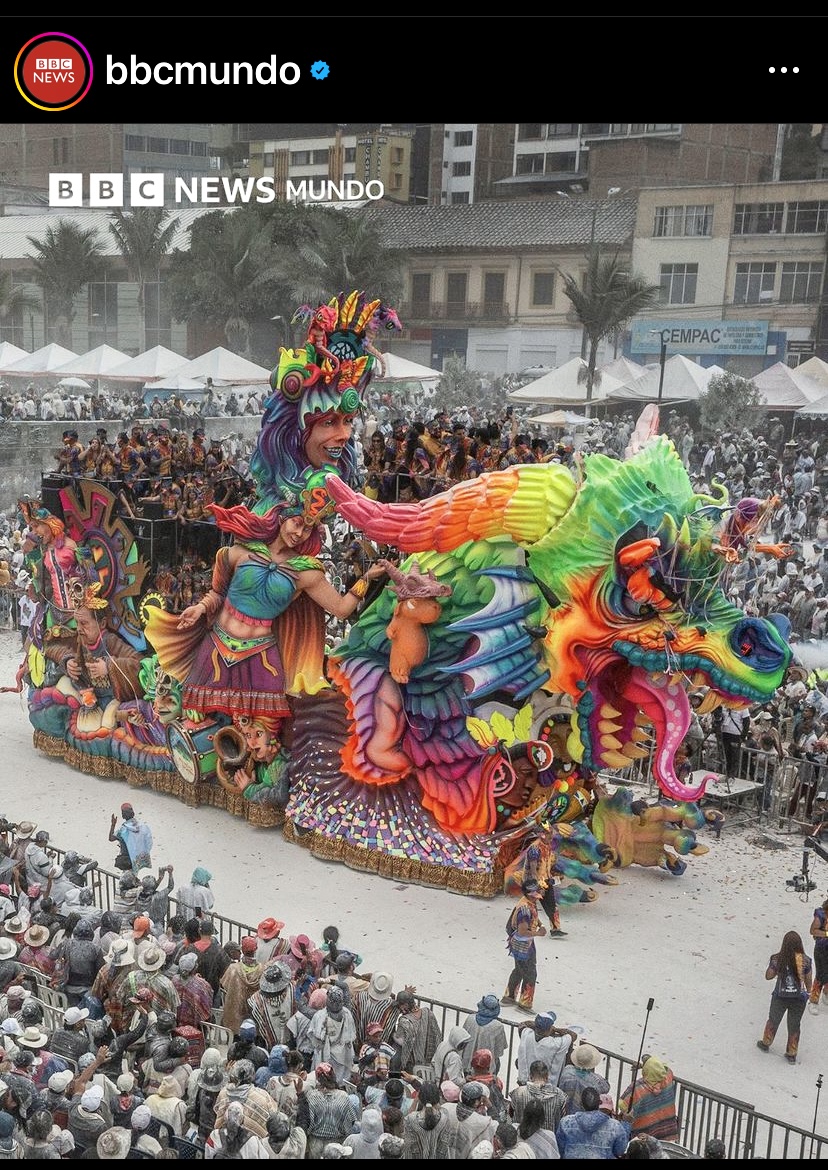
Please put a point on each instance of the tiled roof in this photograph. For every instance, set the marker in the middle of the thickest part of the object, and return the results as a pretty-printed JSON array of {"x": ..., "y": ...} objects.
[
  {"x": 524, "y": 223},
  {"x": 14, "y": 229}
]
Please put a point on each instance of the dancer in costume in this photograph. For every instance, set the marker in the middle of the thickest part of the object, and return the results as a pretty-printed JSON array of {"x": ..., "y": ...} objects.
[{"x": 225, "y": 649}]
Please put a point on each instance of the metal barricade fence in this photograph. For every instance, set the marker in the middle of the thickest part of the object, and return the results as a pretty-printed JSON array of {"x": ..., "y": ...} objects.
[{"x": 703, "y": 1114}]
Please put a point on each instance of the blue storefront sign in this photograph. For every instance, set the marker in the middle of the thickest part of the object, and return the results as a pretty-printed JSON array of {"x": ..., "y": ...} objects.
[{"x": 692, "y": 337}]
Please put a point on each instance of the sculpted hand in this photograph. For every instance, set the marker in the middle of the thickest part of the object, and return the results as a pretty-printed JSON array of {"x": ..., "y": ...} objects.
[
  {"x": 98, "y": 668},
  {"x": 190, "y": 616},
  {"x": 73, "y": 669}
]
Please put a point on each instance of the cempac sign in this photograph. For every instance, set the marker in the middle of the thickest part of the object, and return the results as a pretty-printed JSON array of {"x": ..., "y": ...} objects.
[
  {"x": 149, "y": 190},
  {"x": 692, "y": 337}
]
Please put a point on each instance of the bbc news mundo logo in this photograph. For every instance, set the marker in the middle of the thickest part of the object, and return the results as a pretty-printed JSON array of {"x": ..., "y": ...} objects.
[{"x": 53, "y": 72}]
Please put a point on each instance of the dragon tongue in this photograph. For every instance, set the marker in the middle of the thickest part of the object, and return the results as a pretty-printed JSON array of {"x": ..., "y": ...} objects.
[{"x": 665, "y": 703}]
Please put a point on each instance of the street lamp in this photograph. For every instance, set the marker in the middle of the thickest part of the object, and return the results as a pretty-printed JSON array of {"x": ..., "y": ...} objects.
[{"x": 662, "y": 359}]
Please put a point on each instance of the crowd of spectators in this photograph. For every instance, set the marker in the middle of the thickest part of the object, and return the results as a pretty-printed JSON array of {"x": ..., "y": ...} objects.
[{"x": 160, "y": 1042}]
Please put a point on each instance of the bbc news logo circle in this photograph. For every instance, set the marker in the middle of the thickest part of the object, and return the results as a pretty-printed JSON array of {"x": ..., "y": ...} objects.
[{"x": 53, "y": 72}]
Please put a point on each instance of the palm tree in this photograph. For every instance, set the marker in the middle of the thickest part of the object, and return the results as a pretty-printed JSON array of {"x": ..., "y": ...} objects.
[
  {"x": 14, "y": 300},
  {"x": 346, "y": 253},
  {"x": 611, "y": 296},
  {"x": 66, "y": 259},
  {"x": 144, "y": 236},
  {"x": 225, "y": 275}
]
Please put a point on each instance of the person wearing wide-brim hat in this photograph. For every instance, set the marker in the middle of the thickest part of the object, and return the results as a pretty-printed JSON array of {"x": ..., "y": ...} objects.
[
  {"x": 273, "y": 1005},
  {"x": 8, "y": 948},
  {"x": 32, "y": 1037},
  {"x": 150, "y": 975},
  {"x": 119, "y": 962},
  {"x": 271, "y": 945},
  {"x": 22, "y": 836},
  {"x": 35, "y": 952},
  {"x": 581, "y": 1073}
]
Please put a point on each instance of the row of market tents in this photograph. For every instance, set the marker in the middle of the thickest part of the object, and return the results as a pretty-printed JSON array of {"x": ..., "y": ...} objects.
[
  {"x": 163, "y": 372},
  {"x": 803, "y": 389}
]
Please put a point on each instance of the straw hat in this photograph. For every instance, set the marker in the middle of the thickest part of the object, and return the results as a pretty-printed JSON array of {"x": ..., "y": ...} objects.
[
  {"x": 8, "y": 948},
  {"x": 32, "y": 1038},
  {"x": 586, "y": 1057},
  {"x": 151, "y": 958},
  {"x": 36, "y": 936}
]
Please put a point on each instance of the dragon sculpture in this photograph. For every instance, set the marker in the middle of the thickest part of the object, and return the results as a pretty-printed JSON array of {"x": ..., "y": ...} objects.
[{"x": 601, "y": 586}]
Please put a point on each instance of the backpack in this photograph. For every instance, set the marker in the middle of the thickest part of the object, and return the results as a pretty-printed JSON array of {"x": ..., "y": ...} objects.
[{"x": 788, "y": 986}]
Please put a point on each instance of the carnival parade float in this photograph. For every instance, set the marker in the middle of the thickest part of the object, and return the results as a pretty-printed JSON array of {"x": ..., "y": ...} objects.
[{"x": 544, "y": 626}]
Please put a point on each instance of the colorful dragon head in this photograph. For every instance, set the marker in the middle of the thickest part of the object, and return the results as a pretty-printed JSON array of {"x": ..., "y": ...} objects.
[
  {"x": 639, "y": 615},
  {"x": 617, "y": 604}
]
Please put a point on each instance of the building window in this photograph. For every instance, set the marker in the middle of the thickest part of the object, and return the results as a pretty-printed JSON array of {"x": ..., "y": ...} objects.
[
  {"x": 529, "y": 131},
  {"x": 456, "y": 292},
  {"x": 754, "y": 283},
  {"x": 561, "y": 129},
  {"x": 807, "y": 218},
  {"x": 695, "y": 220},
  {"x": 179, "y": 146},
  {"x": 757, "y": 219},
  {"x": 396, "y": 156},
  {"x": 158, "y": 145},
  {"x": 461, "y": 170},
  {"x": 134, "y": 141},
  {"x": 102, "y": 300},
  {"x": 562, "y": 160},
  {"x": 60, "y": 151},
  {"x": 299, "y": 158},
  {"x": 463, "y": 137},
  {"x": 350, "y": 154},
  {"x": 494, "y": 290},
  {"x": 157, "y": 314},
  {"x": 421, "y": 290},
  {"x": 396, "y": 181},
  {"x": 319, "y": 158},
  {"x": 199, "y": 149},
  {"x": 678, "y": 284},
  {"x": 460, "y": 197},
  {"x": 801, "y": 282},
  {"x": 543, "y": 288},
  {"x": 268, "y": 158},
  {"x": 529, "y": 164}
]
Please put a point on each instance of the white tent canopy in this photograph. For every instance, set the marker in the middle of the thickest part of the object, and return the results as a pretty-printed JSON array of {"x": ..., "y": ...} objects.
[
  {"x": 560, "y": 419},
  {"x": 684, "y": 381},
  {"x": 153, "y": 363},
  {"x": 784, "y": 388},
  {"x": 46, "y": 360},
  {"x": 223, "y": 367},
  {"x": 11, "y": 353},
  {"x": 623, "y": 369},
  {"x": 399, "y": 369},
  {"x": 562, "y": 388},
  {"x": 815, "y": 369},
  {"x": 94, "y": 364},
  {"x": 178, "y": 382}
]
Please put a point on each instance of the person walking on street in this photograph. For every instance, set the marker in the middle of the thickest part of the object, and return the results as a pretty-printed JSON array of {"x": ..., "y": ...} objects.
[
  {"x": 819, "y": 933},
  {"x": 791, "y": 968},
  {"x": 522, "y": 927}
]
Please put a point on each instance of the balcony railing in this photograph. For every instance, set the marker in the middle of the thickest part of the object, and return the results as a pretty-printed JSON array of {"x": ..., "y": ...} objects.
[{"x": 425, "y": 312}]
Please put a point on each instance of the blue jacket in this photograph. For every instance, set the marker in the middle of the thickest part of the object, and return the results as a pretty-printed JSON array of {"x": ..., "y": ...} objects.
[{"x": 592, "y": 1135}]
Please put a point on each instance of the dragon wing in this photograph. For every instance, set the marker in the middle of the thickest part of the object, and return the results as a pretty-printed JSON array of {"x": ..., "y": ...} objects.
[{"x": 521, "y": 502}]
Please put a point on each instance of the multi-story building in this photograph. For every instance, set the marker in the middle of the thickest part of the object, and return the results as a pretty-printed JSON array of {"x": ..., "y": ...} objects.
[
  {"x": 310, "y": 163},
  {"x": 31, "y": 151},
  {"x": 741, "y": 268}
]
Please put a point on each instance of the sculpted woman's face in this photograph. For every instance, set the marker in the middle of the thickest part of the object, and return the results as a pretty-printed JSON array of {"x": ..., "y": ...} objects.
[
  {"x": 294, "y": 531},
  {"x": 327, "y": 437}
]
